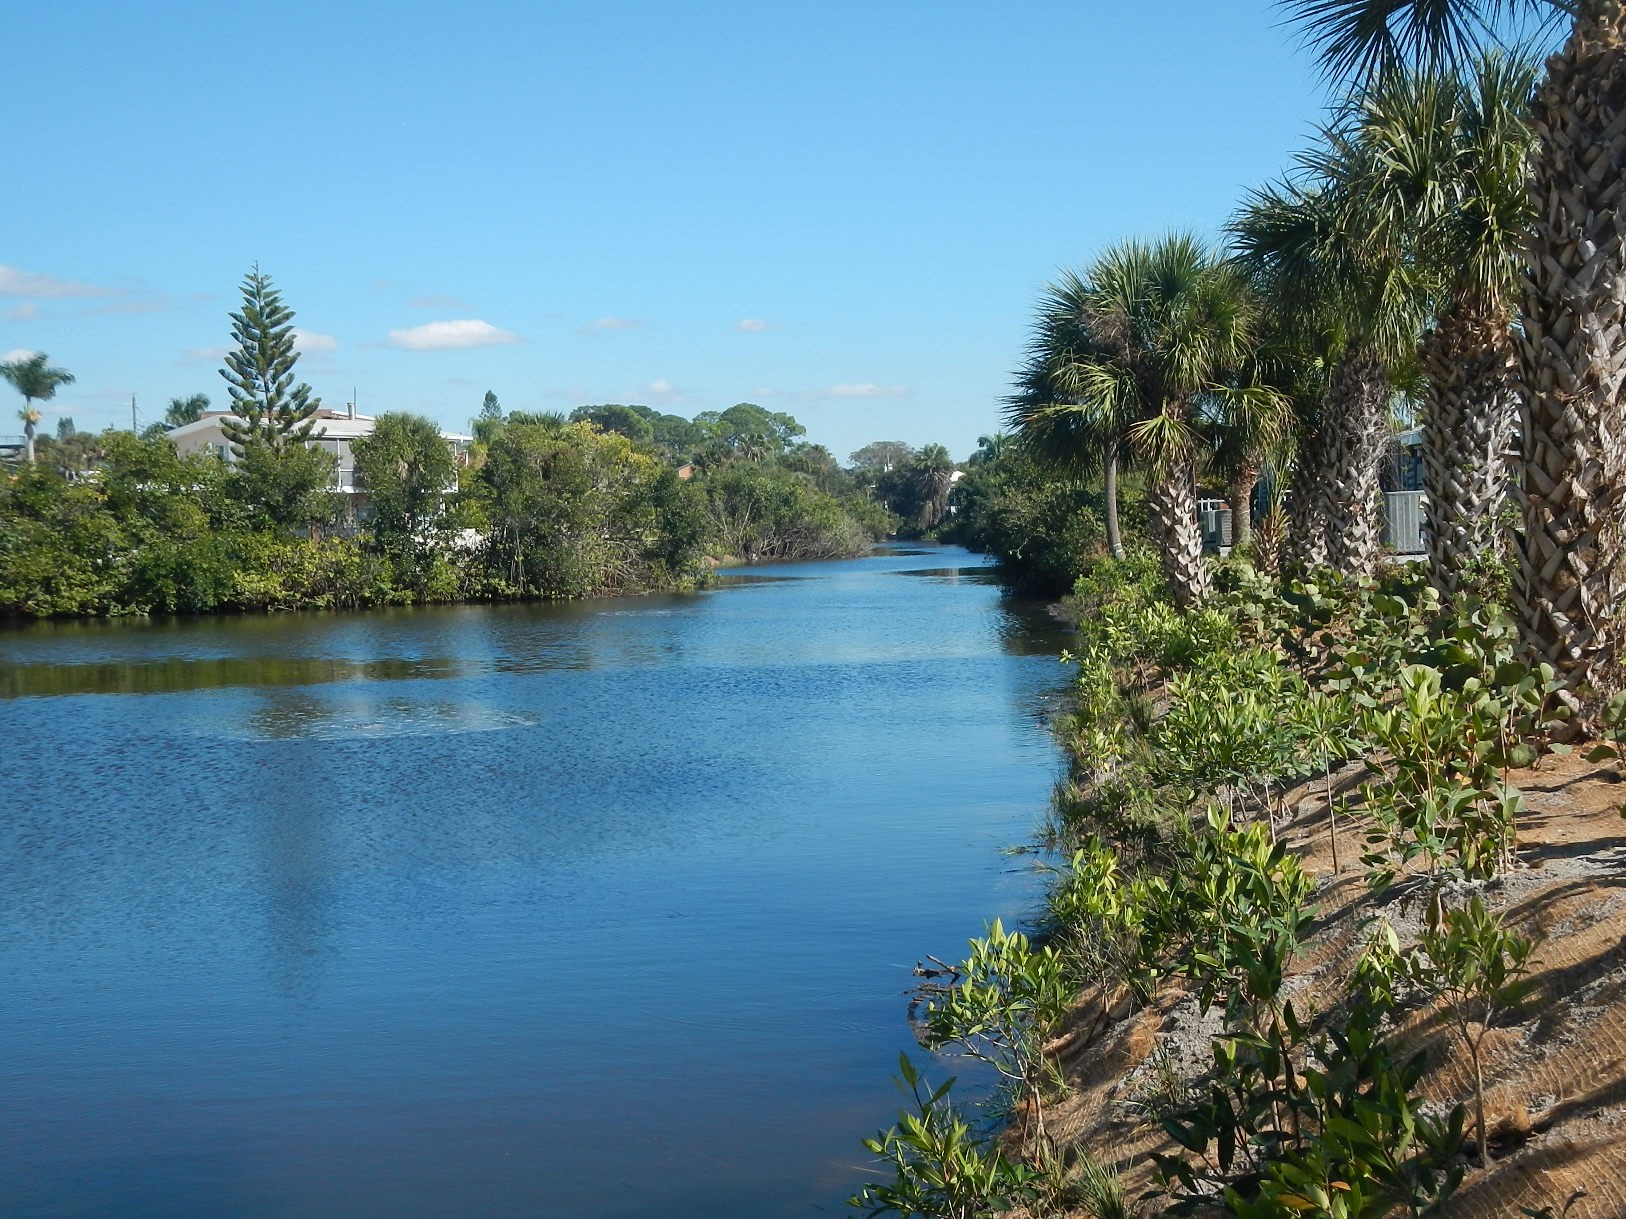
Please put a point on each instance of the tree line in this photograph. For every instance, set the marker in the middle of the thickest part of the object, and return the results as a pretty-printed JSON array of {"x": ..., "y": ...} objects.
[{"x": 609, "y": 499}]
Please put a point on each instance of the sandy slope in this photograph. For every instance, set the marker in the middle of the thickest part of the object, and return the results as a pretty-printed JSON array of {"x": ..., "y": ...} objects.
[{"x": 1556, "y": 1073}]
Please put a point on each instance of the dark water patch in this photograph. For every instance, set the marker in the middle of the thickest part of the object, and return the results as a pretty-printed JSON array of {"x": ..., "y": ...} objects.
[
  {"x": 979, "y": 575},
  {"x": 175, "y": 674},
  {"x": 746, "y": 579}
]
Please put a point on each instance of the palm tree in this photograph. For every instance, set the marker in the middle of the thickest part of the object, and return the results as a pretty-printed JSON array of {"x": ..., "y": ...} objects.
[
  {"x": 1247, "y": 435},
  {"x": 931, "y": 475},
  {"x": 1342, "y": 267},
  {"x": 1057, "y": 422},
  {"x": 990, "y": 448},
  {"x": 1572, "y": 334},
  {"x": 1240, "y": 443},
  {"x": 182, "y": 411},
  {"x": 1139, "y": 350},
  {"x": 1449, "y": 152},
  {"x": 35, "y": 379}
]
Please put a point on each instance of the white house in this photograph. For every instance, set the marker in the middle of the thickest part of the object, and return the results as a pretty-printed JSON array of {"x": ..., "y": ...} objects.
[{"x": 334, "y": 432}]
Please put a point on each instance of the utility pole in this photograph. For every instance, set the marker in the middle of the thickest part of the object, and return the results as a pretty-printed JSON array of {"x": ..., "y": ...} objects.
[{"x": 133, "y": 429}]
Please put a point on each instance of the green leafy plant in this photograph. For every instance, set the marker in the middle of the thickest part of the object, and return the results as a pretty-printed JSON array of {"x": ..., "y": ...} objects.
[
  {"x": 1443, "y": 796},
  {"x": 1480, "y": 969},
  {"x": 1000, "y": 1006},
  {"x": 1232, "y": 919},
  {"x": 1344, "y": 1136},
  {"x": 1326, "y": 727},
  {"x": 940, "y": 1169}
]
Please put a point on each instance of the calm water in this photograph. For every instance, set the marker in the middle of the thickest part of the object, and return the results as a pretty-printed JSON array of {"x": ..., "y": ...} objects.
[{"x": 603, "y": 910}]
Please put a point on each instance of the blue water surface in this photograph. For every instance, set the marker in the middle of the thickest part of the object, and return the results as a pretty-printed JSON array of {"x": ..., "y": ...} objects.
[{"x": 598, "y": 910}]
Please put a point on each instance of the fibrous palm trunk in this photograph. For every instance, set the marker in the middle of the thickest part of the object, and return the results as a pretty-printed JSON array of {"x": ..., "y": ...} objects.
[
  {"x": 1572, "y": 356},
  {"x": 1267, "y": 544},
  {"x": 1358, "y": 435},
  {"x": 1468, "y": 422},
  {"x": 1305, "y": 545},
  {"x": 28, "y": 435},
  {"x": 1173, "y": 500},
  {"x": 1243, "y": 481},
  {"x": 1115, "y": 540}
]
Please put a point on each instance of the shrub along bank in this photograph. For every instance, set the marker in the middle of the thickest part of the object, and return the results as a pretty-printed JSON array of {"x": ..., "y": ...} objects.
[
  {"x": 544, "y": 509},
  {"x": 1302, "y": 1082}
]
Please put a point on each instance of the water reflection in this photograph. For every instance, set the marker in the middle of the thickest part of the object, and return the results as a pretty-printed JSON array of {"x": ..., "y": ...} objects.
[
  {"x": 975, "y": 575},
  {"x": 300, "y": 716},
  {"x": 171, "y": 674}
]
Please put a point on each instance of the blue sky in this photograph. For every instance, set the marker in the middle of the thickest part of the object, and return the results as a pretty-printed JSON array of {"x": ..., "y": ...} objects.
[{"x": 842, "y": 210}]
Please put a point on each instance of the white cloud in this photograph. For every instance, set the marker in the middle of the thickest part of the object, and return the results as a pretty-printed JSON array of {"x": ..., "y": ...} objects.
[
  {"x": 28, "y": 283},
  {"x": 754, "y": 325},
  {"x": 20, "y": 353},
  {"x": 661, "y": 391},
  {"x": 204, "y": 355},
  {"x": 309, "y": 342},
  {"x": 611, "y": 323},
  {"x": 864, "y": 389},
  {"x": 25, "y": 312},
  {"x": 452, "y": 336}
]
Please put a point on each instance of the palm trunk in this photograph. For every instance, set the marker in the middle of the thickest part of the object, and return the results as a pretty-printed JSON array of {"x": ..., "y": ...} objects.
[
  {"x": 28, "y": 438},
  {"x": 1572, "y": 355},
  {"x": 1173, "y": 501},
  {"x": 1115, "y": 541},
  {"x": 1241, "y": 492},
  {"x": 1305, "y": 545},
  {"x": 1267, "y": 541},
  {"x": 1358, "y": 411},
  {"x": 1468, "y": 421}
]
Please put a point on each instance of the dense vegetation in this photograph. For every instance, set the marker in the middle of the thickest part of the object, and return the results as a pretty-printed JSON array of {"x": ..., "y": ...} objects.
[
  {"x": 614, "y": 499},
  {"x": 116, "y": 523}
]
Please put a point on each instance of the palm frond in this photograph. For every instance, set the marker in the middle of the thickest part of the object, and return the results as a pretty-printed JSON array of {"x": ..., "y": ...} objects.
[{"x": 1368, "y": 39}]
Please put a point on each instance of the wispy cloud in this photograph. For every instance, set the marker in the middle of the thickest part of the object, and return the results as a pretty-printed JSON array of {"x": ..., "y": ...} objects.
[
  {"x": 204, "y": 355},
  {"x": 438, "y": 301},
  {"x": 15, "y": 282},
  {"x": 755, "y": 325},
  {"x": 863, "y": 389},
  {"x": 605, "y": 324},
  {"x": 452, "y": 336},
  {"x": 25, "y": 312},
  {"x": 309, "y": 342},
  {"x": 18, "y": 353}
]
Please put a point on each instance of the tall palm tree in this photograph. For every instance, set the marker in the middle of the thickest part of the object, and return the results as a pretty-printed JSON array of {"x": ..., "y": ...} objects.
[
  {"x": 931, "y": 476},
  {"x": 1572, "y": 334},
  {"x": 1056, "y": 420},
  {"x": 35, "y": 379},
  {"x": 1344, "y": 269},
  {"x": 1450, "y": 153},
  {"x": 1141, "y": 347}
]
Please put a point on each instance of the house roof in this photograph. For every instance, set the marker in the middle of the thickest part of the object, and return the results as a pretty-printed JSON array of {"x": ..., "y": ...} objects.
[{"x": 333, "y": 425}]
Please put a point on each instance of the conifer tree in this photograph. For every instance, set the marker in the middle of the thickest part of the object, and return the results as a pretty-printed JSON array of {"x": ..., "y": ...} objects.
[{"x": 269, "y": 408}]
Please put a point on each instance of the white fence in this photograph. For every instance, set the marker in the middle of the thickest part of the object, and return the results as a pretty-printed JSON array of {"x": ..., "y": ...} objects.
[{"x": 1402, "y": 522}]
